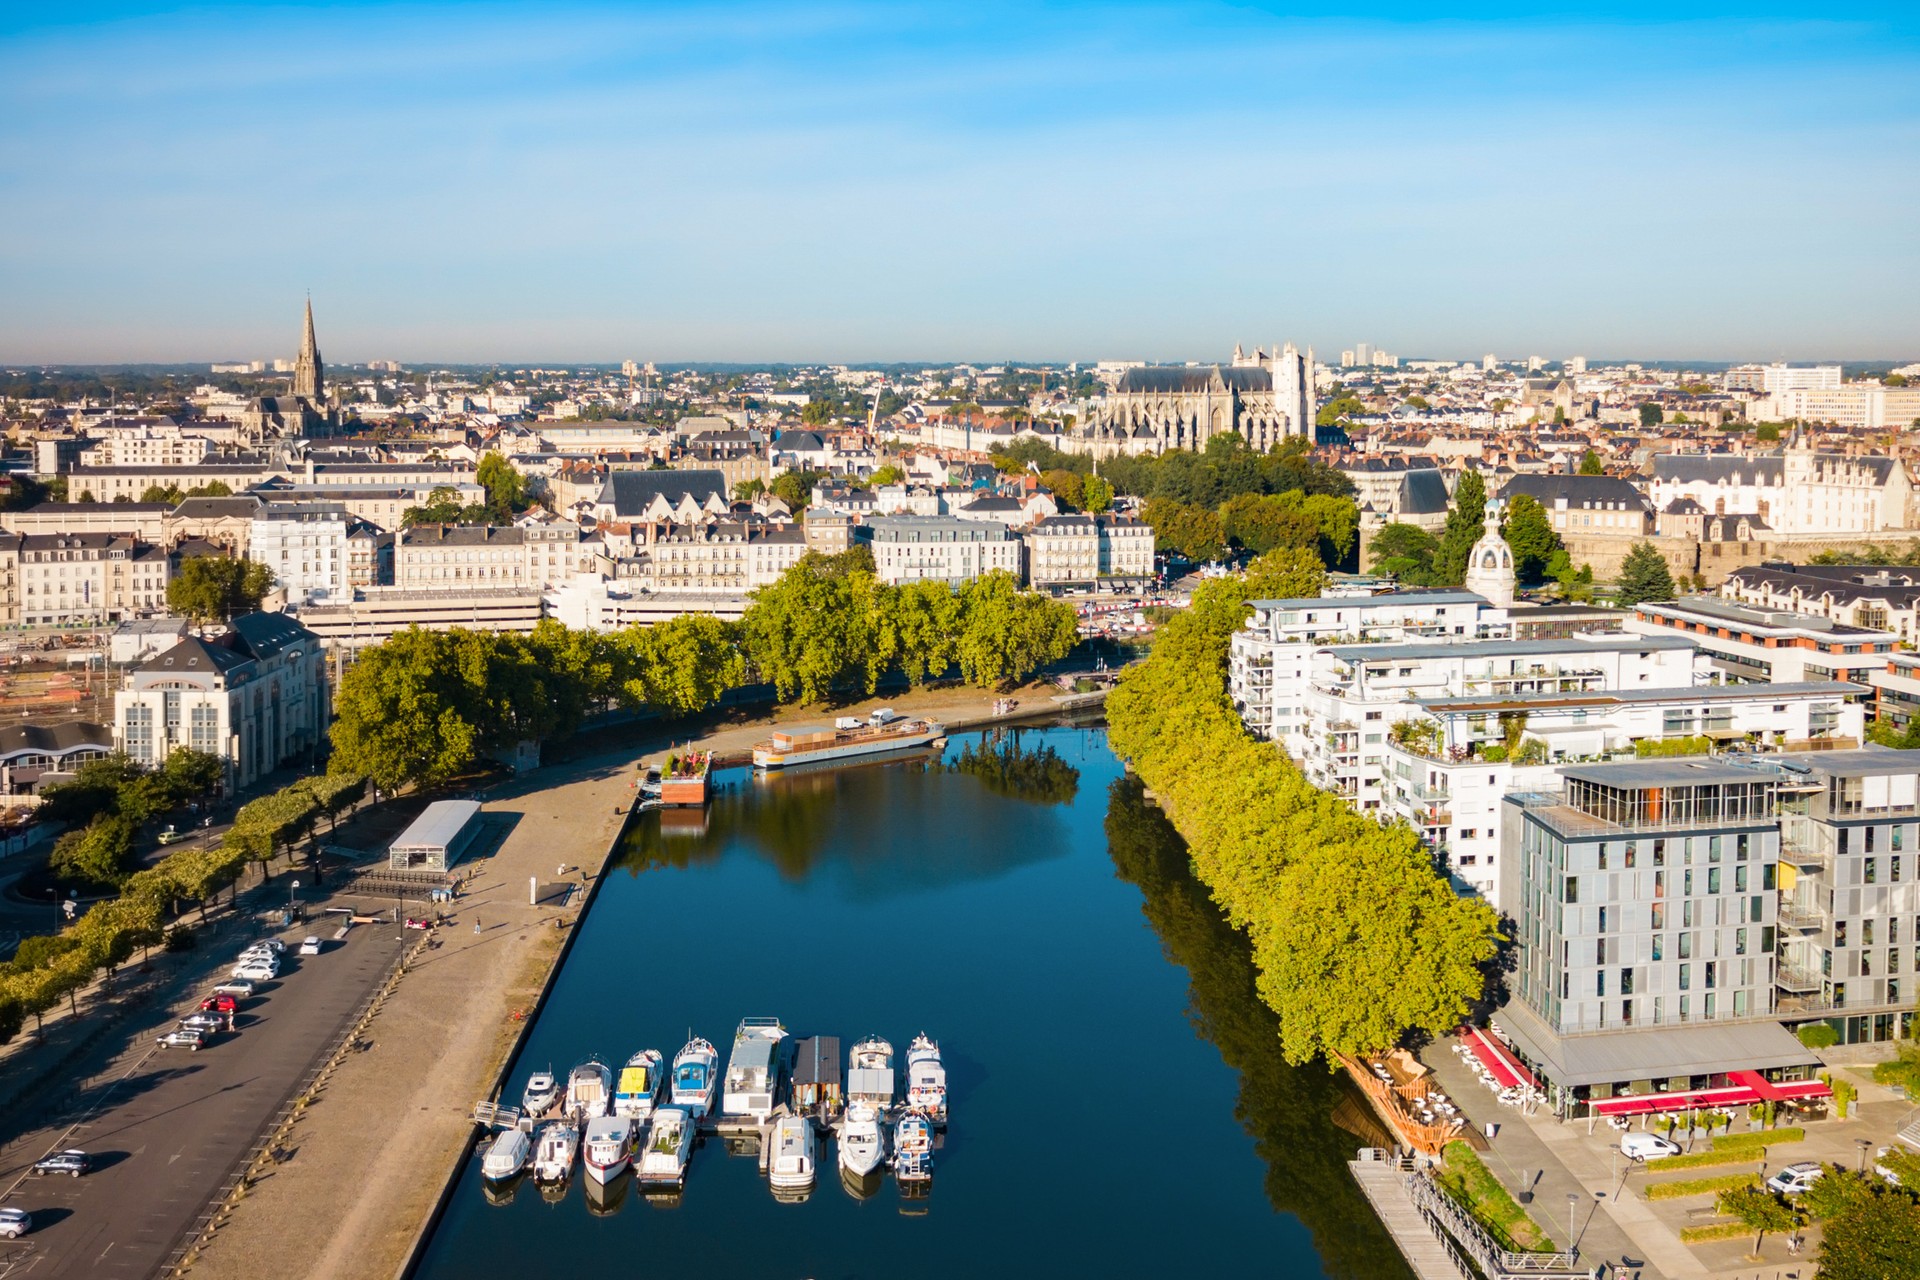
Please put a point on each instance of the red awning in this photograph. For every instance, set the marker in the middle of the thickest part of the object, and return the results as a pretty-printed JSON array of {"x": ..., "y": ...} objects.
[
  {"x": 1758, "y": 1083},
  {"x": 1640, "y": 1103},
  {"x": 1792, "y": 1089},
  {"x": 1497, "y": 1059}
]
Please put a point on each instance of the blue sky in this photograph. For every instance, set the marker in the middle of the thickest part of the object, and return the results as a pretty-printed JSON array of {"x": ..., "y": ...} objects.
[{"x": 857, "y": 181}]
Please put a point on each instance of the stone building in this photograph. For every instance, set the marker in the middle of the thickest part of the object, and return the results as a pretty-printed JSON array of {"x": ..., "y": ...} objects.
[
  {"x": 1796, "y": 491},
  {"x": 1154, "y": 408},
  {"x": 304, "y": 411}
]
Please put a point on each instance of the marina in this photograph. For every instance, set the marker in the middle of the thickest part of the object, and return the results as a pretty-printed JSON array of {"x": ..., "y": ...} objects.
[{"x": 1027, "y": 921}]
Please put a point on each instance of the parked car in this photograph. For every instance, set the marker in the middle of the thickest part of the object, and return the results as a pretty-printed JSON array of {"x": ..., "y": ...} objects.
[
  {"x": 258, "y": 952},
  {"x": 274, "y": 945},
  {"x": 237, "y": 988},
  {"x": 71, "y": 1163},
  {"x": 181, "y": 1038},
  {"x": 1796, "y": 1178},
  {"x": 1646, "y": 1146},
  {"x": 207, "y": 1024},
  {"x": 15, "y": 1223},
  {"x": 219, "y": 1002},
  {"x": 256, "y": 973},
  {"x": 310, "y": 946}
]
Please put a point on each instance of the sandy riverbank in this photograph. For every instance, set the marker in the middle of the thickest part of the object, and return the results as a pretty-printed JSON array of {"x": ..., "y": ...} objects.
[{"x": 373, "y": 1153}]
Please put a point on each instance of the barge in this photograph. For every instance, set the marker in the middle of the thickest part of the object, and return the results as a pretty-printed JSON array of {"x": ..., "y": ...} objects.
[{"x": 847, "y": 738}]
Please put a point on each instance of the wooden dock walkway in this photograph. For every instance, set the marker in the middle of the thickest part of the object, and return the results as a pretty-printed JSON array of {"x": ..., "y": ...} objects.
[{"x": 1385, "y": 1185}]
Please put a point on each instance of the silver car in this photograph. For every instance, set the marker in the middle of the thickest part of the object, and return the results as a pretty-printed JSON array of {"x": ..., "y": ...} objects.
[{"x": 15, "y": 1223}]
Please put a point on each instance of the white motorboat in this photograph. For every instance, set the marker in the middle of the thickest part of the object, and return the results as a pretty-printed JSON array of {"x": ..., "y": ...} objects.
[
  {"x": 638, "y": 1089},
  {"x": 752, "y": 1084},
  {"x": 589, "y": 1089},
  {"x": 870, "y": 1073},
  {"x": 696, "y": 1077},
  {"x": 863, "y": 1143},
  {"x": 913, "y": 1148},
  {"x": 790, "y": 1161},
  {"x": 507, "y": 1156},
  {"x": 608, "y": 1146},
  {"x": 553, "y": 1154},
  {"x": 543, "y": 1090},
  {"x": 668, "y": 1148},
  {"x": 927, "y": 1079}
]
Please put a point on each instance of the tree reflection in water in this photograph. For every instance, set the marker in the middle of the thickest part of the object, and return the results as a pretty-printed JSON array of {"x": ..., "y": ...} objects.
[
  {"x": 1040, "y": 776},
  {"x": 1294, "y": 1114}
]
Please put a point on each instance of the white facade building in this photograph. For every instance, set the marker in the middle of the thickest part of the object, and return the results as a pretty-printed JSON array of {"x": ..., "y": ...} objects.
[
  {"x": 305, "y": 547},
  {"x": 1082, "y": 549},
  {"x": 945, "y": 548}
]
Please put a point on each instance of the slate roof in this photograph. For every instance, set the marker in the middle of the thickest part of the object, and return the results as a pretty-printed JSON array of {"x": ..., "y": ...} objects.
[
  {"x": 1423, "y": 492},
  {"x": 631, "y": 492},
  {"x": 1191, "y": 380},
  {"x": 55, "y": 739},
  {"x": 1688, "y": 468},
  {"x": 1595, "y": 493}
]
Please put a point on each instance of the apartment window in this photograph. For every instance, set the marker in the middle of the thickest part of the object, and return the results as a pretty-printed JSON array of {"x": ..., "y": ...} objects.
[
  {"x": 1713, "y": 879},
  {"x": 1600, "y": 982},
  {"x": 1871, "y": 832},
  {"x": 1686, "y": 946},
  {"x": 1713, "y": 848},
  {"x": 1711, "y": 968},
  {"x": 1686, "y": 981},
  {"x": 1866, "y": 933},
  {"x": 1739, "y": 879},
  {"x": 1659, "y": 885},
  {"x": 1740, "y": 847},
  {"x": 1601, "y": 854},
  {"x": 1659, "y": 915},
  {"x": 1659, "y": 853},
  {"x": 1659, "y": 946},
  {"x": 1893, "y": 863},
  {"x": 1739, "y": 942},
  {"x": 1871, "y": 868},
  {"x": 1633, "y": 847},
  {"x": 1571, "y": 893},
  {"x": 1603, "y": 920},
  {"x": 1626, "y": 982},
  {"x": 1686, "y": 884},
  {"x": 1626, "y": 1011},
  {"x": 138, "y": 732},
  {"x": 1839, "y": 933}
]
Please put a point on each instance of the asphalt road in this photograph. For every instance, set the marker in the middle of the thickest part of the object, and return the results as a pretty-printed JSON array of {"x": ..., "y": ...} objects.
[{"x": 167, "y": 1126}]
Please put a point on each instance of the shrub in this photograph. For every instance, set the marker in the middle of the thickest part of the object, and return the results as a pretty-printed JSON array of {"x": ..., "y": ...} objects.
[
  {"x": 1699, "y": 1186},
  {"x": 1818, "y": 1035}
]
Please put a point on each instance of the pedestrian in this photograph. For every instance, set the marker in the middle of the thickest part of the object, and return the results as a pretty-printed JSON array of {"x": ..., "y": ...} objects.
[{"x": 476, "y": 924}]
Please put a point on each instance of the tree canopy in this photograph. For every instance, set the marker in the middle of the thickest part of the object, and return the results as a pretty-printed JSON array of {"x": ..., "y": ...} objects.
[
  {"x": 1466, "y": 522},
  {"x": 210, "y": 589},
  {"x": 1643, "y": 576},
  {"x": 1529, "y": 534}
]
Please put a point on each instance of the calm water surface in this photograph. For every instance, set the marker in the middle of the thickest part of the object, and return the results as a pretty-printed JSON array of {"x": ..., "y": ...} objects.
[{"x": 1119, "y": 1107}]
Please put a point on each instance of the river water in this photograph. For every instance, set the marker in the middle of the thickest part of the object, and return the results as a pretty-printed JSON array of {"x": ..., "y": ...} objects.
[{"x": 1119, "y": 1105}]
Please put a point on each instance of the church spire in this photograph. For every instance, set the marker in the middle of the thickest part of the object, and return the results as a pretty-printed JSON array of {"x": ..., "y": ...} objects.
[{"x": 309, "y": 377}]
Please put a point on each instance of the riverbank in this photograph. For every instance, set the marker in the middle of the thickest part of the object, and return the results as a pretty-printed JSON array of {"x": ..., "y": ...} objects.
[{"x": 373, "y": 1154}]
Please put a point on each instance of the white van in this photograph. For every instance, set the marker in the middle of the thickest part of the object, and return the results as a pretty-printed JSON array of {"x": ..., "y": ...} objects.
[{"x": 1646, "y": 1146}]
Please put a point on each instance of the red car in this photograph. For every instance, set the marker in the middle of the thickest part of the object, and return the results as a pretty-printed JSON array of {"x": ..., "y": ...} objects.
[{"x": 219, "y": 1002}]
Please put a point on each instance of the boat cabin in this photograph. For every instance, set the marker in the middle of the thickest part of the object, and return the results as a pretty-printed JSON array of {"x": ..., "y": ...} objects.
[
  {"x": 871, "y": 1085},
  {"x": 816, "y": 1073}
]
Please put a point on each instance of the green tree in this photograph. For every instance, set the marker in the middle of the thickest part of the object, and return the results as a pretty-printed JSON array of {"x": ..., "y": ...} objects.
[
  {"x": 1590, "y": 464},
  {"x": 1007, "y": 634},
  {"x": 1643, "y": 576},
  {"x": 1651, "y": 415},
  {"x": 167, "y": 493},
  {"x": 886, "y": 475},
  {"x": 403, "y": 714},
  {"x": 817, "y": 413},
  {"x": 1767, "y": 432},
  {"x": 1192, "y": 531},
  {"x": 795, "y": 488},
  {"x": 506, "y": 487},
  {"x": 1260, "y": 522},
  {"x": 684, "y": 664},
  {"x": 211, "y": 489},
  {"x": 1760, "y": 1210},
  {"x": 1096, "y": 495},
  {"x": 1529, "y": 533},
  {"x": 1289, "y": 573},
  {"x": 1405, "y": 551},
  {"x": 803, "y": 633},
  {"x": 98, "y": 854},
  {"x": 748, "y": 490},
  {"x": 210, "y": 589},
  {"x": 1870, "y": 1231},
  {"x": 1466, "y": 522},
  {"x": 920, "y": 621},
  {"x": 1065, "y": 486}
]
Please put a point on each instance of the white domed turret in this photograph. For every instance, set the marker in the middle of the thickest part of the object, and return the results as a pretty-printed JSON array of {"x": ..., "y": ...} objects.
[{"x": 1490, "y": 564}]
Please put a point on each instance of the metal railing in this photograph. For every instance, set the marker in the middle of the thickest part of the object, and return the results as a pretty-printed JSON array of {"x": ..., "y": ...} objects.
[{"x": 1449, "y": 1221}]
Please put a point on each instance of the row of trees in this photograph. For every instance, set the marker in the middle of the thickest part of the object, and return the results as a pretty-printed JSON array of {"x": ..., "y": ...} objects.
[
  {"x": 1257, "y": 523},
  {"x": 1356, "y": 937},
  {"x": 427, "y": 704},
  {"x": 1225, "y": 469},
  {"x": 108, "y": 801},
  {"x": 48, "y": 967}
]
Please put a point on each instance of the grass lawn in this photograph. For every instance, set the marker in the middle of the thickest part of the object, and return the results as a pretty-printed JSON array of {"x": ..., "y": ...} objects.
[{"x": 1473, "y": 1185}]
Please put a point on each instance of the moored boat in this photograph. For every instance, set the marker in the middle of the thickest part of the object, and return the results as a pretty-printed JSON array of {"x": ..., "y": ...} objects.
[
  {"x": 608, "y": 1146},
  {"x": 863, "y": 1143},
  {"x": 696, "y": 1077},
  {"x": 846, "y": 739},
  {"x": 752, "y": 1082},
  {"x": 553, "y": 1154},
  {"x": 506, "y": 1156},
  {"x": 638, "y": 1088},
  {"x": 589, "y": 1087},
  {"x": 927, "y": 1079},
  {"x": 683, "y": 778},
  {"x": 542, "y": 1091},
  {"x": 870, "y": 1073},
  {"x": 913, "y": 1148},
  {"x": 791, "y": 1161},
  {"x": 668, "y": 1148}
]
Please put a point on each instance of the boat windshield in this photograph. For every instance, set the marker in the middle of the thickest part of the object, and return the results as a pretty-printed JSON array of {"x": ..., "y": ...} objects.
[{"x": 694, "y": 1074}]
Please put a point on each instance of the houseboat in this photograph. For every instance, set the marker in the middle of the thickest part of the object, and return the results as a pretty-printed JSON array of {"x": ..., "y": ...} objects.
[
  {"x": 913, "y": 1148},
  {"x": 608, "y": 1147},
  {"x": 589, "y": 1086},
  {"x": 639, "y": 1085},
  {"x": 507, "y": 1156},
  {"x": 927, "y": 1080},
  {"x": 790, "y": 1165},
  {"x": 847, "y": 738},
  {"x": 553, "y": 1157},
  {"x": 870, "y": 1073},
  {"x": 816, "y": 1076},
  {"x": 754, "y": 1069},
  {"x": 683, "y": 779},
  {"x": 696, "y": 1077},
  {"x": 669, "y": 1145}
]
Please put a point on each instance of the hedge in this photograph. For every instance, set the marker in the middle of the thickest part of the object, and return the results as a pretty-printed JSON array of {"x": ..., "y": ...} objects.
[{"x": 1700, "y": 1186}]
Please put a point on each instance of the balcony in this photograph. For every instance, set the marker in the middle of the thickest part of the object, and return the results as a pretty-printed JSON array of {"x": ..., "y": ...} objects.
[
  {"x": 1795, "y": 979},
  {"x": 1801, "y": 917}
]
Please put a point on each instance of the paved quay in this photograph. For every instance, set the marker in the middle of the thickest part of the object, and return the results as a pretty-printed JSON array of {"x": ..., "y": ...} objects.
[{"x": 373, "y": 1155}]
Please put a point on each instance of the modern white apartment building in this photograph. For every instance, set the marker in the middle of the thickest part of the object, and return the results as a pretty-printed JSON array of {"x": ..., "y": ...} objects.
[
  {"x": 945, "y": 548},
  {"x": 147, "y": 447},
  {"x": 1455, "y": 759},
  {"x": 255, "y": 696},
  {"x": 1874, "y": 598},
  {"x": 305, "y": 546},
  {"x": 1864, "y": 406},
  {"x": 1082, "y": 549},
  {"x": 1752, "y": 644}
]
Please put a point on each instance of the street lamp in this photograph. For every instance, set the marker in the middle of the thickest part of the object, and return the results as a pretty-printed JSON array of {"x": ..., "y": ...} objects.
[
  {"x": 1863, "y": 1144},
  {"x": 293, "y": 892},
  {"x": 1573, "y": 1203}
]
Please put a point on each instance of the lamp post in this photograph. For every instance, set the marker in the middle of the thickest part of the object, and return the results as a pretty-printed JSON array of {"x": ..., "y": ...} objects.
[
  {"x": 293, "y": 892},
  {"x": 1863, "y": 1144},
  {"x": 1573, "y": 1203}
]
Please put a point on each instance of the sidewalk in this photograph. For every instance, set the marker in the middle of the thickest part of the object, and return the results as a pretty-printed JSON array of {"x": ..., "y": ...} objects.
[{"x": 1609, "y": 1221}]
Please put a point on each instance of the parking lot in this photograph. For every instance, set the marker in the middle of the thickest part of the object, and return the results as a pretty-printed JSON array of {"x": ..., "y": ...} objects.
[{"x": 168, "y": 1126}]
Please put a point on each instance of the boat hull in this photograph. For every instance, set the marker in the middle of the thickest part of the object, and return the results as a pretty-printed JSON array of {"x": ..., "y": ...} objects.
[
  {"x": 608, "y": 1172},
  {"x": 768, "y": 758}
]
